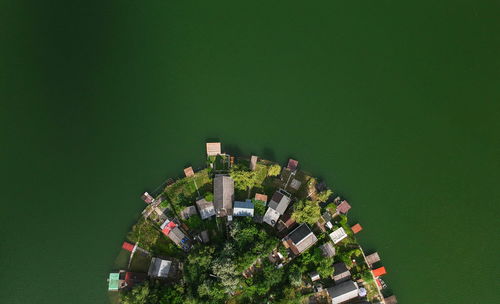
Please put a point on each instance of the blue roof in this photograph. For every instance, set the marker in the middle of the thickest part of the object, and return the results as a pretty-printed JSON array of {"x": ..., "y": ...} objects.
[{"x": 244, "y": 205}]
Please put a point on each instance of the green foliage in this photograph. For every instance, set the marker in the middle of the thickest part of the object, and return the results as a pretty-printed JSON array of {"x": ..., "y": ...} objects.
[
  {"x": 209, "y": 197},
  {"x": 306, "y": 212},
  {"x": 141, "y": 294},
  {"x": 243, "y": 179},
  {"x": 274, "y": 170},
  {"x": 145, "y": 233},
  {"x": 194, "y": 222},
  {"x": 259, "y": 207},
  {"x": 324, "y": 195}
]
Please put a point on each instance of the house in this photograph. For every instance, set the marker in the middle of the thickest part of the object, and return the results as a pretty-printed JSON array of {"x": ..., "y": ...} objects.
[
  {"x": 173, "y": 232},
  {"x": 160, "y": 268},
  {"x": 372, "y": 259},
  {"x": 205, "y": 208},
  {"x": 391, "y": 300},
  {"x": 300, "y": 239},
  {"x": 314, "y": 276},
  {"x": 213, "y": 148},
  {"x": 189, "y": 172},
  {"x": 343, "y": 207},
  {"x": 292, "y": 164},
  {"x": 340, "y": 273},
  {"x": 327, "y": 250},
  {"x": 261, "y": 197},
  {"x": 223, "y": 195},
  {"x": 146, "y": 197},
  {"x": 243, "y": 208},
  {"x": 253, "y": 162},
  {"x": 343, "y": 292},
  {"x": 188, "y": 212},
  {"x": 271, "y": 217},
  {"x": 280, "y": 201},
  {"x": 356, "y": 228},
  {"x": 379, "y": 272},
  {"x": 338, "y": 235}
]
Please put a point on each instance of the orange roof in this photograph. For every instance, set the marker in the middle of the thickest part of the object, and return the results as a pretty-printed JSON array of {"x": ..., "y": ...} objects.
[
  {"x": 379, "y": 271},
  {"x": 356, "y": 228},
  {"x": 189, "y": 172},
  {"x": 261, "y": 197}
]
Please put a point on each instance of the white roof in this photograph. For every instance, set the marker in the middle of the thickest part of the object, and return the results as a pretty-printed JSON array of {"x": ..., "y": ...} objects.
[
  {"x": 165, "y": 223},
  {"x": 243, "y": 208},
  {"x": 338, "y": 235},
  {"x": 271, "y": 216},
  {"x": 159, "y": 268}
]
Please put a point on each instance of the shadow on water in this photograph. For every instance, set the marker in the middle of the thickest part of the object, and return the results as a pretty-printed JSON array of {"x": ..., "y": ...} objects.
[
  {"x": 233, "y": 150},
  {"x": 268, "y": 154}
]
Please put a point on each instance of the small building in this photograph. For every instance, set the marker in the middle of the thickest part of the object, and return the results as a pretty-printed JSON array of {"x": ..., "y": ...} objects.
[
  {"x": 343, "y": 292},
  {"x": 243, "y": 208},
  {"x": 188, "y": 212},
  {"x": 327, "y": 250},
  {"x": 261, "y": 197},
  {"x": 343, "y": 207},
  {"x": 300, "y": 239},
  {"x": 133, "y": 278},
  {"x": 326, "y": 216},
  {"x": 279, "y": 202},
  {"x": 314, "y": 276},
  {"x": 204, "y": 236},
  {"x": 292, "y": 164},
  {"x": 173, "y": 232},
  {"x": 338, "y": 235},
  {"x": 114, "y": 283},
  {"x": 160, "y": 268},
  {"x": 146, "y": 197},
  {"x": 253, "y": 162},
  {"x": 379, "y": 272},
  {"x": 189, "y": 172},
  {"x": 295, "y": 184},
  {"x": 271, "y": 217},
  {"x": 372, "y": 259},
  {"x": 356, "y": 228},
  {"x": 286, "y": 221},
  {"x": 213, "y": 148},
  {"x": 340, "y": 273},
  {"x": 127, "y": 246},
  {"x": 125, "y": 280},
  {"x": 223, "y": 195},
  {"x": 205, "y": 208},
  {"x": 391, "y": 300}
]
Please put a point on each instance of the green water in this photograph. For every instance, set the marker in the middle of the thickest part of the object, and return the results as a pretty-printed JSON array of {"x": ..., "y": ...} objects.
[{"x": 395, "y": 105}]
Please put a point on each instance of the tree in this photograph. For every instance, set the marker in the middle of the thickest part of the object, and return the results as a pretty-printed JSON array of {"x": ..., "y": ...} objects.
[
  {"x": 274, "y": 170},
  {"x": 209, "y": 196},
  {"x": 140, "y": 294},
  {"x": 324, "y": 195},
  {"x": 306, "y": 212},
  {"x": 243, "y": 180}
]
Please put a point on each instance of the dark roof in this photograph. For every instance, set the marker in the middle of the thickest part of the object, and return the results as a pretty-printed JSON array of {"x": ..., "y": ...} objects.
[
  {"x": 341, "y": 273},
  {"x": 327, "y": 216},
  {"x": 223, "y": 192},
  {"x": 327, "y": 249},
  {"x": 299, "y": 233},
  {"x": 340, "y": 268},
  {"x": 343, "y": 292},
  {"x": 279, "y": 202}
]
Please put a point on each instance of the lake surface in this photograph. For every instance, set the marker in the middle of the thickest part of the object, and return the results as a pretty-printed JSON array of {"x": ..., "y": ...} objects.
[{"x": 395, "y": 105}]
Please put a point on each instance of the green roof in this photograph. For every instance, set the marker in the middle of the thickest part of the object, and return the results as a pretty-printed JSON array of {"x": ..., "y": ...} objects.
[{"x": 114, "y": 281}]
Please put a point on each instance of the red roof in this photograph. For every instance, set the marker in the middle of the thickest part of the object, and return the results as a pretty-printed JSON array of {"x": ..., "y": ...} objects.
[
  {"x": 171, "y": 225},
  {"x": 379, "y": 271},
  {"x": 292, "y": 164},
  {"x": 356, "y": 228},
  {"x": 127, "y": 246},
  {"x": 343, "y": 207}
]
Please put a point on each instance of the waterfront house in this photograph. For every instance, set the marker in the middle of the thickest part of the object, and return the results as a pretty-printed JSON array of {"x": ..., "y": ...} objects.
[
  {"x": 125, "y": 280},
  {"x": 343, "y": 292},
  {"x": 379, "y": 272},
  {"x": 271, "y": 217},
  {"x": 173, "y": 232},
  {"x": 213, "y": 148},
  {"x": 160, "y": 268},
  {"x": 223, "y": 195},
  {"x": 243, "y": 208},
  {"x": 280, "y": 201},
  {"x": 338, "y": 235},
  {"x": 188, "y": 212},
  {"x": 146, "y": 197},
  {"x": 372, "y": 259},
  {"x": 253, "y": 162},
  {"x": 327, "y": 250},
  {"x": 356, "y": 228},
  {"x": 314, "y": 276},
  {"x": 292, "y": 164},
  {"x": 189, "y": 172},
  {"x": 300, "y": 239},
  {"x": 205, "y": 208},
  {"x": 343, "y": 207},
  {"x": 341, "y": 273},
  {"x": 261, "y": 197}
]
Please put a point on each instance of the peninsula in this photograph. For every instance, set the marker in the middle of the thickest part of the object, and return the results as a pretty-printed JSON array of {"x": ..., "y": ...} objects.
[{"x": 245, "y": 230}]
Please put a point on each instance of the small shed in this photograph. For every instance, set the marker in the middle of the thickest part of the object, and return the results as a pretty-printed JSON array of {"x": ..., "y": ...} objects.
[
  {"x": 343, "y": 207},
  {"x": 243, "y": 208},
  {"x": 327, "y": 250},
  {"x": 314, "y": 276},
  {"x": 379, "y": 272},
  {"x": 159, "y": 268},
  {"x": 189, "y": 172},
  {"x": 205, "y": 208},
  {"x": 146, "y": 197},
  {"x": 213, "y": 148},
  {"x": 188, "y": 212},
  {"x": 292, "y": 164},
  {"x": 338, "y": 235},
  {"x": 253, "y": 162},
  {"x": 356, "y": 228},
  {"x": 372, "y": 259},
  {"x": 261, "y": 197},
  {"x": 114, "y": 281}
]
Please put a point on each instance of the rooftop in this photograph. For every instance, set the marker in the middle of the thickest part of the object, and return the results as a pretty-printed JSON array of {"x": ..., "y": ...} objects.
[
  {"x": 356, "y": 228},
  {"x": 159, "y": 268},
  {"x": 205, "y": 208},
  {"x": 213, "y": 149},
  {"x": 189, "y": 172},
  {"x": 223, "y": 192},
  {"x": 379, "y": 272},
  {"x": 292, "y": 164},
  {"x": 343, "y": 292},
  {"x": 338, "y": 235},
  {"x": 279, "y": 202},
  {"x": 243, "y": 208},
  {"x": 261, "y": 197},
  {"x": 343, "y": 207}
]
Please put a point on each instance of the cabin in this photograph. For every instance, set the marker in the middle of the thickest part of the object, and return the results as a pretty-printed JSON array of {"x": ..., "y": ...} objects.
[
  {"x": 327, "y": 250},
  {"x": 338, "y": 235},
  {"x": 147, "y": 198},
  {"x": 205, "y": 208},
  {"x": 213, "y": 148},
  {"x": 379, "y": 272},
  {"x": 343, "y": 292},
  {"x": 253, "y": 162},
  {"x": 372, "y": 259},
  {"x": 343, "y": 207},
  {"x": 188, "y": 212},
  {"x": 173, "y": 232},
  {"x": 160, "y": 268},
  {"x": 223, "y": 195},
  {"x": 300, "y": 239},
  {"x": 341, "y": 273},
  {"x": 280, "y": 201},
  {"x": 356, "y": 228},
  {"x": 292, "y": 165},
  {"x": 314, "y": 276},
  {"x": 243, "y": 208},
  {"x": 189, "y": 172}
]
